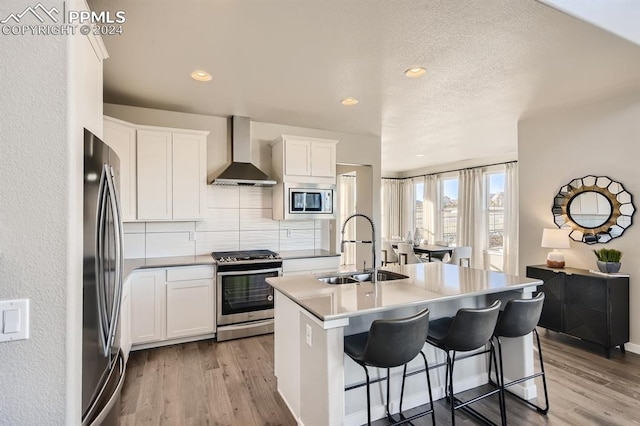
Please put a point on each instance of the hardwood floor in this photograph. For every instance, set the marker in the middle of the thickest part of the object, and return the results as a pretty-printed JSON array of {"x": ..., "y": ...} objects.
[{"x": 232, "y": 383}]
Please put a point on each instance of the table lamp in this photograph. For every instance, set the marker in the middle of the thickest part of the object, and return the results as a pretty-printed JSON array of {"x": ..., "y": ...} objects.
[{"x": 555, "y": 239}]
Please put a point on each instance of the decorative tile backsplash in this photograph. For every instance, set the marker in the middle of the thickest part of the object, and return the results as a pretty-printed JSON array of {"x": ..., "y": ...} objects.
[{"x": 237, "y": 218}]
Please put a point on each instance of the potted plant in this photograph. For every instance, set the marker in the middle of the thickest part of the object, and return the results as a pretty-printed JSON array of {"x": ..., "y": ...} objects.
[{"x": 608, "y": 260}]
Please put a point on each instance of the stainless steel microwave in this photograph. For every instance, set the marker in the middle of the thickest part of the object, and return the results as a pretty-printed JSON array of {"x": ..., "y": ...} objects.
[{"x": 309, "y": 201}]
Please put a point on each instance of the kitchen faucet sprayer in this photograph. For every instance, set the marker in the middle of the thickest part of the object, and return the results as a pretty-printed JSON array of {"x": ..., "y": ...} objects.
[{"x": 372, "y": 242}]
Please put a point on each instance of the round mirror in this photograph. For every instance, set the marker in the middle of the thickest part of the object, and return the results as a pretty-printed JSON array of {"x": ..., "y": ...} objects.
[
  {"x": 590, "y": 209},
  {"x": 596, "y": 208}
]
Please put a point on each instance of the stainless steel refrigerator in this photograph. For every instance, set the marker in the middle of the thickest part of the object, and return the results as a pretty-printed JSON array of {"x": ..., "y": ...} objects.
[{"x": 103, "y": 365}]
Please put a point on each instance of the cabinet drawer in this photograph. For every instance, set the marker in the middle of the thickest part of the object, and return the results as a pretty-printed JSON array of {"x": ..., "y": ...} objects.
[
  {"x": 189, "y": 273},
  {"x": 586, "y": 292}
]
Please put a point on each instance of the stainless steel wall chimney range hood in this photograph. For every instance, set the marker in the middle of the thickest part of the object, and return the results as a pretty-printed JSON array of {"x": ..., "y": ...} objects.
[{"x": 241, "y": 171}]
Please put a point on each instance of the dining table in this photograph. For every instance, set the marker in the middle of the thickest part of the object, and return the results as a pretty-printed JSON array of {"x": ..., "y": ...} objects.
[{"x": 428, "y": 249}]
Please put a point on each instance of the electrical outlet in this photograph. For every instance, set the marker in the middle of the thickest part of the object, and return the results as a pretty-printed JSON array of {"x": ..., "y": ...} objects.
[
  {"x": 192, "y": 236},
  {"x": 289, "y": 233},
  {"x": 309, "y": 336}
]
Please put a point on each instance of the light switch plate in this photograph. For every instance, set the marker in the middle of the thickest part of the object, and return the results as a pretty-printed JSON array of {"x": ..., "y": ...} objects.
[{"x": 14, "y": 315}]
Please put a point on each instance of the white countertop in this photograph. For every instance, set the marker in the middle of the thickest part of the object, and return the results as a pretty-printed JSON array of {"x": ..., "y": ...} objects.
[
  {"x": 303, "y": 254},
  {"x": 162, "y": 262},
  {"x": 427, "y": 283}
]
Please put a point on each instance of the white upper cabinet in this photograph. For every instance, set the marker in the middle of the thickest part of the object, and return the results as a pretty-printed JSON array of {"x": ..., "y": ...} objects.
[
  {"x": 163, "y": 171},
  {"x": 297, "y": 158},
  {"x": 121, "y": 137},
  {"x": 189, "y": 175},
  {"x": 155, "y": 175},
  {"x": 323, "y": 159},
  {"x": 304, "y": 160}
]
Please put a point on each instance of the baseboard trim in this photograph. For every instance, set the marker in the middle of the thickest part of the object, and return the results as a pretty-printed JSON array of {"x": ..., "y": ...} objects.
[
  {"x": 632, "y": 347},
  {"x": 138, "y": 347}
]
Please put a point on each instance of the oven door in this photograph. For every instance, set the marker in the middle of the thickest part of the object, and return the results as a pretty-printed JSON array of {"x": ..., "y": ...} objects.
[{"x": 244, "y": 296}]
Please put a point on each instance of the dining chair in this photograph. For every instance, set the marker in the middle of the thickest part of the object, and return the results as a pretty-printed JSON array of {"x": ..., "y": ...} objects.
[
  {"x": 406, "y": 254},
  {"x": 441, "y": 257},
  {"x": 388, "y": 253},
  {"x": 459, "y": 255}
]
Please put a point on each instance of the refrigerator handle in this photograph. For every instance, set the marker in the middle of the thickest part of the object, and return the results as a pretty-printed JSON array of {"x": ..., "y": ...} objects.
[
  {"x": 119, "y": 267},
  {"x": 100, "y": 281}
]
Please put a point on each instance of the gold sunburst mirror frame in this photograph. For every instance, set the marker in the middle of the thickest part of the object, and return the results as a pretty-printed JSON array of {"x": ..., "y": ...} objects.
[{"x": 596, "y": 209}]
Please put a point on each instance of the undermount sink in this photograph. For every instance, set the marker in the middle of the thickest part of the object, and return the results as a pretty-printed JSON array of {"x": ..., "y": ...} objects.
[
  {"x": 341, "y": 279},
  {"x": 361, "y": 277},
  {"x": 382, "y": 276}
]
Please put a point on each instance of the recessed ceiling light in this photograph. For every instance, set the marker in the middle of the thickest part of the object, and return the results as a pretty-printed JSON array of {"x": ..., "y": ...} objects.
[
  {"x": 419, "y": 155},
  {"x": 201, "y": 75},
  {"x": 415, "y": 72},
  {"x": 349, "y": 101}
]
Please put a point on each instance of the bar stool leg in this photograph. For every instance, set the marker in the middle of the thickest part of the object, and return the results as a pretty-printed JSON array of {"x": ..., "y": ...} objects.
[
  {"x": 426, "y": 370},
  {"x": 452, "y": 401},
  {"x": 544, "y": 377},
  {"x": 366, "y": 372},
  {"x": 499, "y": 379}
]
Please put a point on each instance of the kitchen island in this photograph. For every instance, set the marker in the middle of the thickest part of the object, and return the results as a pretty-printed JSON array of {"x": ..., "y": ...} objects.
[{"x": 321, "y": 386}]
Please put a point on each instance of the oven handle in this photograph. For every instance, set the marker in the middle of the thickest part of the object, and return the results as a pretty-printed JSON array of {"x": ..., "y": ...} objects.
[{"x": 251, "y": 272}]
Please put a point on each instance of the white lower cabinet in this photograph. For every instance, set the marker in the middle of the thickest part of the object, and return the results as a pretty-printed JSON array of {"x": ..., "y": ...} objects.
[
  {"x": 125, "y": 319},
  {"x": 172, "y": 303},
  {"x": 147, "y": 304}
]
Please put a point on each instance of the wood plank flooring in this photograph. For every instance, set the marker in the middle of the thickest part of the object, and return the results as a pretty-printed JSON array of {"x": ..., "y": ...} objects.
[{"x": 232, "y": 383}]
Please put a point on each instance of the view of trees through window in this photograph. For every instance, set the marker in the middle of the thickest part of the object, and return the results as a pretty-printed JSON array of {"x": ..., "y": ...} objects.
[
  {"x": 495, "y": 208},
  {"x": 449, "y": 209}
]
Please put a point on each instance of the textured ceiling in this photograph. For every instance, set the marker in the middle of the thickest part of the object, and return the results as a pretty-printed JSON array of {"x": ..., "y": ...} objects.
[{"x": 488, "y": 63}]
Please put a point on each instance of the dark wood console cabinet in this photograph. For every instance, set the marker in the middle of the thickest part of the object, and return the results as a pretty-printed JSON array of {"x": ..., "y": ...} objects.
[{"x": 582, "y": 304}]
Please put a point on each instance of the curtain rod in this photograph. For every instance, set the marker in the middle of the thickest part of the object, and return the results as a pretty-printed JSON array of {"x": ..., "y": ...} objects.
[{"x": 451, "y": 171}]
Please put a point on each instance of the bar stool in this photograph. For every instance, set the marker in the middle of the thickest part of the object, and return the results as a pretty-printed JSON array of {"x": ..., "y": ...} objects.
[
  {"x": 469, "y": 330},
  {"x": 392, "y": 343},
  {"x": 519, "y": 318}
]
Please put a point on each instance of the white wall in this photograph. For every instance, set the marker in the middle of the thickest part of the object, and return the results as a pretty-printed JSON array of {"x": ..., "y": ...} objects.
[
  {"x": 599, "y": 138},
  {"x": 44, "y": 81},
  {"x": 352, "y": 149}
]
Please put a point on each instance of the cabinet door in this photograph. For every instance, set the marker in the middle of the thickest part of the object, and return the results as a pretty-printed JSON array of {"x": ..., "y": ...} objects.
[
  {"x": 147, "y": 294},
  {"x": 586, "y": 308},
  {"x": 190, "y": 308},
  {"x": 154, "y": 175},
  {"x": 553, "y": 288},
  {"x": 125, "y": 319},
  {"x": 122, "y": 139},
  {"x": 297, "y": 156},
  {"x": 323, "y": 159},
  {"x": 189, "y": 176}
]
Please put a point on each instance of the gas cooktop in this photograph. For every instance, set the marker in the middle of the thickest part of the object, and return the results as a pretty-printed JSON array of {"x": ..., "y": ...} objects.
[{"x": 245, "y": 256}]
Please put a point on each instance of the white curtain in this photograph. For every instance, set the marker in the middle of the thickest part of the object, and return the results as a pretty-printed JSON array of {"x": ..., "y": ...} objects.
[
  {"x": 510, "y": 236},
  {"x": 347, "y": 201},
  {"x": 390, "y": 211},
  {"x": 472, "y": 222},
  {"x": 430, "y": 208},
  {"x": 407, "y": 202}
]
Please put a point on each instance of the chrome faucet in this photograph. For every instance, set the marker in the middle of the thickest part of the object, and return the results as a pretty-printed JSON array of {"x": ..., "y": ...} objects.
[{"x": 374, "y": 274}]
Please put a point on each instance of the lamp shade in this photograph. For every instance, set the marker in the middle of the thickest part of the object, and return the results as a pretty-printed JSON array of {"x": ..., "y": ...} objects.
[{"x": 555, "y": 238}]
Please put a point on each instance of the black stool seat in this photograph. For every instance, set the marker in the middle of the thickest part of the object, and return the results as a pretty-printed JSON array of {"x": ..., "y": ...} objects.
[
  {"x": 519, "y": 318},
  {"x": 388, "y": 344},
  {"x": 469, "y": 330}
]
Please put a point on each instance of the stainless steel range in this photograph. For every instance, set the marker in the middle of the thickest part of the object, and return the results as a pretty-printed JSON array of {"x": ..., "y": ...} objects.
[{"x": 244, "y": 299}]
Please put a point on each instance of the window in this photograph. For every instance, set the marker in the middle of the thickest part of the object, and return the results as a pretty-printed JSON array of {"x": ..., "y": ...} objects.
[
  {"x": 449, "y": 209},
  {"x": 495, "y": 208},
  {"x": 418, "y": 207}
]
